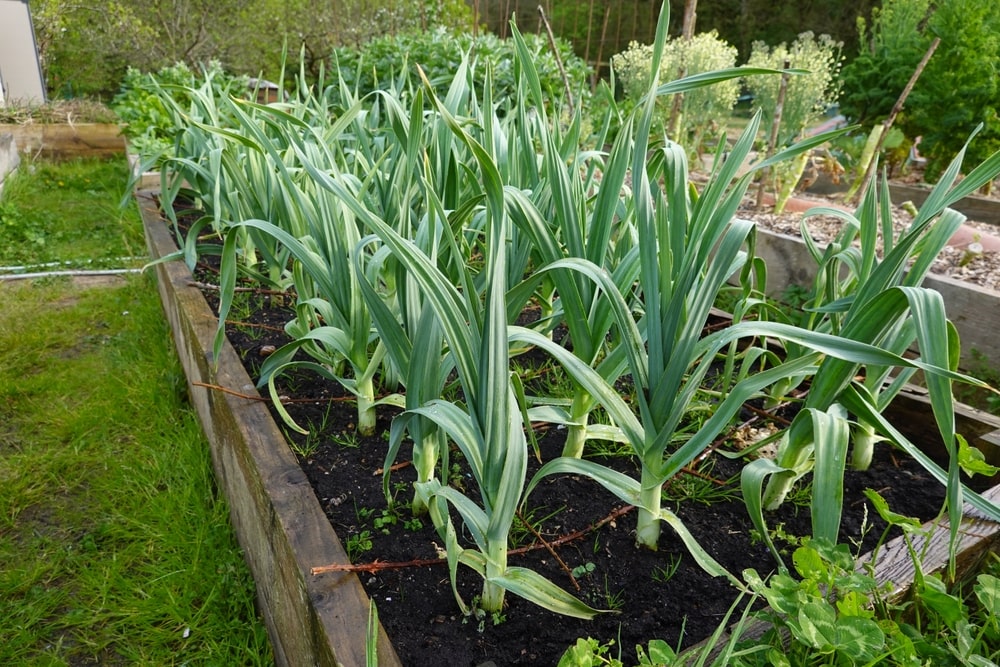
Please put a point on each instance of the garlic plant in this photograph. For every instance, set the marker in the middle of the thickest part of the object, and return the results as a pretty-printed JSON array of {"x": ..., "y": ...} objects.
[
  {"x": 857, "y": 295},
  {"x": 415, "y": 229}
]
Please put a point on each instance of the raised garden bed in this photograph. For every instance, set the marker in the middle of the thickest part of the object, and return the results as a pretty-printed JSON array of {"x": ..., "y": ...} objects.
[
  {"x": 981, "y": 209},
  {"x": 312, "y": 619},
  {"x": 974, "y": 310},
  {"x": 67, "y": 140}
]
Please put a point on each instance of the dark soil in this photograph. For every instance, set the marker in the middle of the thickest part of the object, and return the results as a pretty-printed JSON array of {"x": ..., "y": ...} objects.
[
  {"x": 654, "y": 595},
  {"x": 650, "y": 595}
]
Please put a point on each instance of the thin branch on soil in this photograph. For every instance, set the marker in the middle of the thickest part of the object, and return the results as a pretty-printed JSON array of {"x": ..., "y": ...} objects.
[
  {"x": 231, "y": 392},
  {"x": 768, "y": 414},
  {"x": 378, "y": 566},
  {"x": 548, "y": 547},
  {"x": 393, "y": 468},
  {"x": 250, "y": 397},
  {"x": 256, "y": 290},
  {"x": 255, "y": 325},
  {"x": 708, "y": 478}
]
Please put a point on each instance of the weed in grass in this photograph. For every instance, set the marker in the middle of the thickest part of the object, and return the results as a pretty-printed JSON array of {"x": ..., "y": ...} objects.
[
  {"x": 779, "y": 536},
  {"x": 801, "y": 495},
  {"x": 386, "y": 519},
  {"x": 348, "y": 439},
  {"x": 613, "y": 600},
  {"x": 307, "y": 445},
  {"x": 607, "y": 449},
  {"x": 529, "y": 525},
  {"x": 245, "y": 303},
  {"x": 68, "y": 212},
  {"x": 701, "y": 486}
]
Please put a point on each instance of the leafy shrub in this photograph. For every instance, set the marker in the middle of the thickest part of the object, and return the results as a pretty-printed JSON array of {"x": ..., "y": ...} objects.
[
  {"x": 809, "y": 95},
  {"x": 891, "y": 49},
  {"x": 965, "y": 62},
  {"x": 703, "y": 109},
  {"x": 140, "y": 105},
  {"x": 959, "y": 89},
  {"x": 438, "y": 53}
]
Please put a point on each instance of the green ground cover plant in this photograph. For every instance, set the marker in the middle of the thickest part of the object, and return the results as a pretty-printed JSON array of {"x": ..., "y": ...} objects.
[
  {"x": 114, "y": 546},
  {"x": 53, "y": 212}
]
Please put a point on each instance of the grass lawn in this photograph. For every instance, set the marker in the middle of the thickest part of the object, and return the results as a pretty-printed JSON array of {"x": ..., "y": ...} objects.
[{"x": 115, "y": 547}]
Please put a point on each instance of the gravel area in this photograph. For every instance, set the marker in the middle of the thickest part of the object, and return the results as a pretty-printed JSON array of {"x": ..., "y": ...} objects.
[{"x": 970, "y": 263}]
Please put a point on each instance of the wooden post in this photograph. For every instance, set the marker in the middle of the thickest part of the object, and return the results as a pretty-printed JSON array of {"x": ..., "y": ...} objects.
[
  {"x": 555, "y": 50},
  {"x": 773, "y": 139},
  {"x": 590, "y": 31},
  {"x": 600, "y": 51},
  {"x": 896, "y": 108},
  {"x": 690, "y": 16}
]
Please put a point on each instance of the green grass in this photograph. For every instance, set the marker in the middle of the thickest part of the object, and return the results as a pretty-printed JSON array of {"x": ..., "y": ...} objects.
[
  {"x": 68, "y": 212},
  {"x": 115, "y": 547}
]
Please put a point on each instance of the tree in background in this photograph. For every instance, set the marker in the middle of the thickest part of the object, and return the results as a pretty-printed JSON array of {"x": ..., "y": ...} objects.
[
  {"x": 316, "y": 29},
  {"x": 87, "y": 47},
  {"x": 600, "y": 28},
  {"x": 960, "y": 87},
  {"x": 84, "y": 50},
  {"x": 890, "y": 48},
  {"x": 958, "y": 90},
  {"x": 703, "y": 110}
]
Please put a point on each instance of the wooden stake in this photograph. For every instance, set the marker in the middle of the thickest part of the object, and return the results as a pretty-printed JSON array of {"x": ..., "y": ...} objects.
[
  {"x": 773, "y": 139},
  {"x": 869, "y": 172},
  {"x": 690, "y": 16},
  {"x": 559, "y": 62}
]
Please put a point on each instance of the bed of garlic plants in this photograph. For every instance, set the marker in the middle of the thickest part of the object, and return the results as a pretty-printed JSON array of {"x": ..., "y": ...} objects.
[{"x": 414, "y": 229}]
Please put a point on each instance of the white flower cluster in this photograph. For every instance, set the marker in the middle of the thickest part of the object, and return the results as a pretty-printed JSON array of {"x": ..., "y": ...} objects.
[
  {"x": 703, "y": 108},
  {"x": 808, "y": 95}
]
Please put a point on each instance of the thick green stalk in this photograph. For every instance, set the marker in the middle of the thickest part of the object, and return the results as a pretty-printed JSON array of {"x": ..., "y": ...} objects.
[
  {"x": 647, "y": 532},
  {"x": 366, "y": 405},
  {"x": 863, "y": 445},
  {"x": 576, "y": 432},
  {"x": 790, "y": 457},
  {"x": 791, "y": 173},
  {"x": 493, "y": 595},
  {"x": 427, "y": 448}
]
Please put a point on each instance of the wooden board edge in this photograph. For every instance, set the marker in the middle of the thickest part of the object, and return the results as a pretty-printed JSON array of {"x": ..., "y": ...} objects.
[
  {"x": 311, "y": 620},
  {"x": 64, "y": 140}
]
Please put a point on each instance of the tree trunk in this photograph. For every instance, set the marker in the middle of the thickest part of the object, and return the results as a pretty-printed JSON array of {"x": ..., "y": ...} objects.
[{"x": 690, "y": 16}]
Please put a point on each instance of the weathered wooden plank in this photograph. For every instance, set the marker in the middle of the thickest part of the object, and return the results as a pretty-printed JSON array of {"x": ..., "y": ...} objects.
[
  {"x": 64, "y": 141},
  {"x": 980, "y": 209},
  {"x": 892, "y": 565},
  {"x": 975, "y": 207},
  {"x": 911, "y": 413},
  {"x": 9, "y": 159},
  {"x": 311, "y": 620}
]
